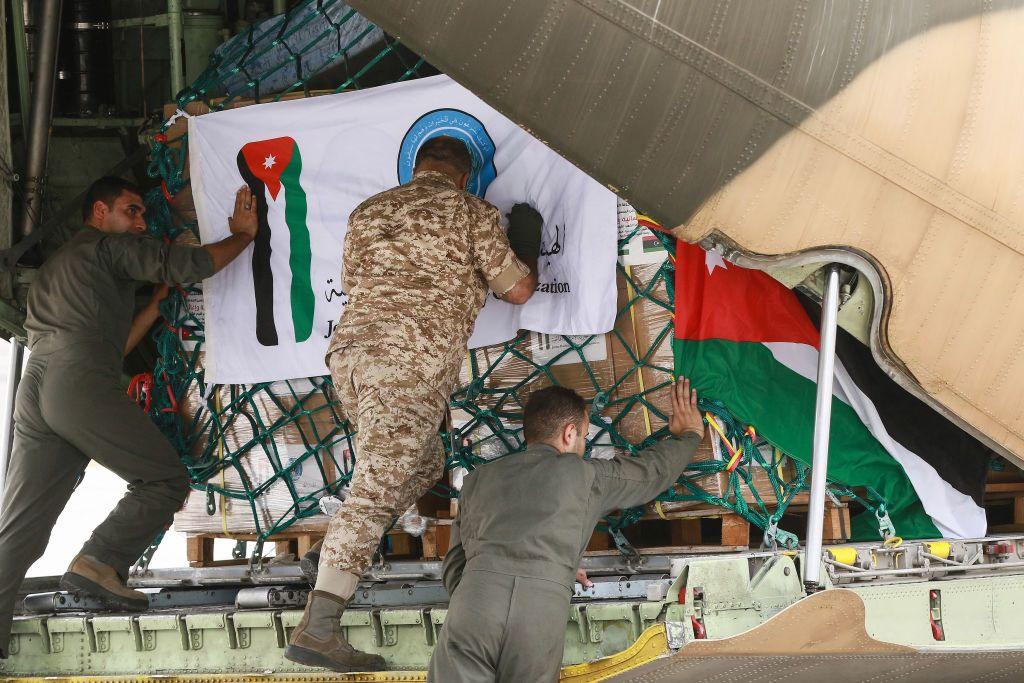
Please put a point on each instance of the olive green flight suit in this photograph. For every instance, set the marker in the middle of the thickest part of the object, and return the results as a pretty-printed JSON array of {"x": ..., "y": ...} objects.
[
  {"x": 524, "y": 522},
  {"x": 71, "y": 407}
]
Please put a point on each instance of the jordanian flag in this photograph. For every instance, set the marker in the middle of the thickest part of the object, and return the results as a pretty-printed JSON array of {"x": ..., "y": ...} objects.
[
  {"x": 268, "y": 166},
  {"x": 746, "y": 340}
]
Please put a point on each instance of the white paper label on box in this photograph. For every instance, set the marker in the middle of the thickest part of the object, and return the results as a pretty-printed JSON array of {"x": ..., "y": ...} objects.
[
  {"x": 641, "y": 246},
  {"x": 306, "y": 476},
  {"x": 186, "y": 326},
  {"x": 545, "y": 347},
  {"x": 483, "y": 440},
  {"x": 601, "y": 447},
  {"x": 194, "y": 301}
]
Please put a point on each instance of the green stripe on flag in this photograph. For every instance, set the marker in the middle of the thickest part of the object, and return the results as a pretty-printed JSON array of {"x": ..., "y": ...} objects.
[
  {"x": 300, "y": 254},
  {"x": 779, "y": 403}
]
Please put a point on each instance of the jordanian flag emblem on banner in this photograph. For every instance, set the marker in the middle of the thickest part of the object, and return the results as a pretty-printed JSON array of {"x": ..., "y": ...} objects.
[
  {"x": 747, "y": 341},
  {"x": 272, "y": 169}
]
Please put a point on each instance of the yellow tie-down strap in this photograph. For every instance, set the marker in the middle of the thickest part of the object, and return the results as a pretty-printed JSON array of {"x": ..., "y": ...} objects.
[{"x": 649, "y": 646}]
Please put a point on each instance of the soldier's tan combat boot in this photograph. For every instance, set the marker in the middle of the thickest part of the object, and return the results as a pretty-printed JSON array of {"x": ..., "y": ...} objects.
[
  {"x": 101, "y": 581},
  {"x": 309, "y": 565},
  {"x": 318, "y": 639}
]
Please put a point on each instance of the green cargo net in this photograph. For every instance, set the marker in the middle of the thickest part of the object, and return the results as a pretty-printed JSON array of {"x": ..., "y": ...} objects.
[{"x": 328, "y": 45}]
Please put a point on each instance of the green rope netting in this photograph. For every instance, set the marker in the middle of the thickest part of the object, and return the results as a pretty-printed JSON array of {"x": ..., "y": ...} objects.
[{"x": 328, "y": 42}]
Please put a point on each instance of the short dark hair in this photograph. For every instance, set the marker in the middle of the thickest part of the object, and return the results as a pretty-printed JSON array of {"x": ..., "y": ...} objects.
[
  {"x": 549, "y": 410},
  {"x": 446, "y": 150},
  {"x": 106, "y": 190}
]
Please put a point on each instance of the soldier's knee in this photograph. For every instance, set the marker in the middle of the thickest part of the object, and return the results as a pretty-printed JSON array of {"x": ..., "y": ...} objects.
[
  {"x": 180, "y": 489},
  {"x": 173, "y": 489},
  {"x": 360, "y": 507}
]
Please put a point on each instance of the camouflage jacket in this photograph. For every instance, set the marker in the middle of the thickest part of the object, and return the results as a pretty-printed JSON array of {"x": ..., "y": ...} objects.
[{"x": 418, "y": 262}]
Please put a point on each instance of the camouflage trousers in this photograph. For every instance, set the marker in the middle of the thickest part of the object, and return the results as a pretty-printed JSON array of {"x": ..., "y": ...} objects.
[{"x": 399, "y": 454}]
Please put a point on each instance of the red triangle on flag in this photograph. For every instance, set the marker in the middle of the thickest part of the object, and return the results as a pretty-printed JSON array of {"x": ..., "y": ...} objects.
[
  {"x": 267, "y": 159},
  {"x": 716, "y": 299}
]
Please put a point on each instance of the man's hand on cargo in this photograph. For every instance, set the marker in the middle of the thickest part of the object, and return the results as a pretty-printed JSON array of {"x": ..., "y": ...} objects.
[
  {"x": 243, "y": 225},
  {"x": 244, "y": 221},
  {"x": 686, "y": 415},
  {"x": 582, "y": 579},
  {"x": 524, "y": 233}
]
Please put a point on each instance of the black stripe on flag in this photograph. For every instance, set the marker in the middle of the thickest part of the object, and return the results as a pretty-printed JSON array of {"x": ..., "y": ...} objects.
[
  {"x": 262, "y": 275},
  {"x": 958, "y": 457}
]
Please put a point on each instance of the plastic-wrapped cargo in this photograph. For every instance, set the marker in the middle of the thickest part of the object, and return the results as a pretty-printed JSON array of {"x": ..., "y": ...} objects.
[{"x": 288, "y": 447}]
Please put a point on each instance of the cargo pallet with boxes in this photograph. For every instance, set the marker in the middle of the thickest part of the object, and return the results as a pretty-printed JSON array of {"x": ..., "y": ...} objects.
[
  {"x": 706, "y": 529},
  {"x": 627, "y": 373},
  {"x": 670, "y": 527}
]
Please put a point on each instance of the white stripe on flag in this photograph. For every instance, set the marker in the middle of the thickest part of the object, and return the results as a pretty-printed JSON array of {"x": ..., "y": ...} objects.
[{"x": 955, "y": 514}]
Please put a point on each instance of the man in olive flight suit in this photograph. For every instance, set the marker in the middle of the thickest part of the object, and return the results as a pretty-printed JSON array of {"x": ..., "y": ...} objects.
[
  {"x": 419, "y": 261},
  {"x": 71, "y": 407},
  {"x": 523, "y": 523}
]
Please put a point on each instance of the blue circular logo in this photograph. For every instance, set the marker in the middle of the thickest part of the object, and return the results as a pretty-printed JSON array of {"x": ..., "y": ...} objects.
[{"x": 455, "y": 124}]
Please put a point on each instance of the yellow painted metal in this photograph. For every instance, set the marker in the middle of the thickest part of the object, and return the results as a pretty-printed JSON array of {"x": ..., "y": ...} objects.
[
  {"x": 938, "y": 548},
  {"x": 651, "y": 644},
  {"x": 844, "y": 554}
]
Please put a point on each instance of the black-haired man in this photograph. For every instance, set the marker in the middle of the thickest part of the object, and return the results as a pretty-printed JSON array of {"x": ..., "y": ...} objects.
[
  {"x": 523, "y": 524},
  {"x": 71, "y": 407}
]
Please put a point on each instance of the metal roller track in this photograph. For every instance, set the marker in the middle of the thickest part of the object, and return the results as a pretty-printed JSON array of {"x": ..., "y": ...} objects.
[
  {"x": 429, "y": 592},
  {"x": 264, "y": 597},
  {"x": 650, "y": 562},
  {"x": 58, "y": 602},
  {"x": 368, "y": 594}
]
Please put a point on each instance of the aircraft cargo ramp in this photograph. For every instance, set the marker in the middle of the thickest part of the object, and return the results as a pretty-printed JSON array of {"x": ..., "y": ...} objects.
[
  {"x": 821, "y": 638},
  {"x": 667, "y": 619}
]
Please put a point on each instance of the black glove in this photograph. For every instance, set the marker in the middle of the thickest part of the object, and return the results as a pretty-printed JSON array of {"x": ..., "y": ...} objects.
[{"x": 524, "y": 231}]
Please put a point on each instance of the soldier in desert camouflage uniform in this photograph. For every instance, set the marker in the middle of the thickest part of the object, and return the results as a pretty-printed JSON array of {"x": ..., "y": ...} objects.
[{"x": 419, "y": 260}]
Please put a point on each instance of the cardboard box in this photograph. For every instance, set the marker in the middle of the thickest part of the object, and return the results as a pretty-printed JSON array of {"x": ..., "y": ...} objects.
[
  {"x": 635, "y": 360},
  {"x": 717, "y": 484}
]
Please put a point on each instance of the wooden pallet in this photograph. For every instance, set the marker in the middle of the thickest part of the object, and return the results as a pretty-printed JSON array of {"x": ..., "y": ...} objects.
[
  {"x": 1000, "y": 495},
  {"x": 432, "y": 545},
  {"x": 199, "y": 547},
  {"x": 714, "y": 528},
  {"x": 709, "y": 529}
]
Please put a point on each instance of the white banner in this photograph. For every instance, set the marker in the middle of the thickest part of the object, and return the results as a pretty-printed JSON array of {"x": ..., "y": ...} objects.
[{"x": 270, "y": 314}]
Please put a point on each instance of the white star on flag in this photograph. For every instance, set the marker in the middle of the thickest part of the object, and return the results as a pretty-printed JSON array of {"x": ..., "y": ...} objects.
[
  {"x": 269, "y": 161},
  {"x": 712, "y": 259}
]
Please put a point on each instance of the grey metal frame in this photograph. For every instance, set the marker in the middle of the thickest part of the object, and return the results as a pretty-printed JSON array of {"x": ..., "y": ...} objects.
[
  {"x": 38, "y": 125},
  {"x": 822, "y": 422},
  {"x": 175, "y": 35},
  {"x": 20, "y": 55}
]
